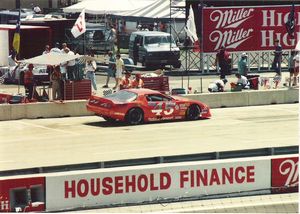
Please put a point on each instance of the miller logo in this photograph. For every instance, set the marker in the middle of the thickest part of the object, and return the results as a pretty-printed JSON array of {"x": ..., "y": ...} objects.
[
  {"x": 290, "y": 168},
  {"x": 226, "y": 23}
]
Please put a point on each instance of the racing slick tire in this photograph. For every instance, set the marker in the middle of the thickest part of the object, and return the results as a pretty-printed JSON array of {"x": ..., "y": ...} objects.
[
  {"x": 109, "y": 119},
  {"x": 193, "y": 112},
  {"x": 134, "y": 116}
]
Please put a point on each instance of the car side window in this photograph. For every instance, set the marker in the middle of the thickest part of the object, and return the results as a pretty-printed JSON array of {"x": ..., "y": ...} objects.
[{"x": 157, "y": 98}]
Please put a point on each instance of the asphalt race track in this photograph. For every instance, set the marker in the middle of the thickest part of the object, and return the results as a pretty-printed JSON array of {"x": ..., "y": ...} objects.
[{"x": 50, "y": 142}]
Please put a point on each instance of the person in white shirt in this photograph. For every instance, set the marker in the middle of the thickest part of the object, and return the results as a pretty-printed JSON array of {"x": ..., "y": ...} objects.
[
  {"x": 90, "y": 67},
  {"x": 70, "y": 65},
  {"x": 217, "y": 86},
  {"x": 56, "y": 48},
  {"x": 242, "y": 81},
  {"x": 119, "y": 70}
]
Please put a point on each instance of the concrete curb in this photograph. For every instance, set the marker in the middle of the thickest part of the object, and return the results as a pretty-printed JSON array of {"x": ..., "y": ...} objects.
[{"x": 214, "y": 100}]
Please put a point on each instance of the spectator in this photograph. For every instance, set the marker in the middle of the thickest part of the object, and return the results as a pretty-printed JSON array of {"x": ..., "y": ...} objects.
[
  {"x": 56, "y": 48},
  {"x": 70, "y": 66},
  {"x": 113, "y": 37},
  {"x": 277, "y": 58},
  {"x": 296, "y": 69},
  {"x": 91, "y": 67},
  {"x": 242, "y": 65},
  {"x": 36, "y": 9},
  {"x": 28, "y": 82},
  {"x": 242, "y": 82},
  {"x": 137, "y": 82},
  {"x": 223, "y": 61},
  {"x": 119, "y": 70},
  {"x": 47, "y": 49},
  {"x": 126, "y": 82},
  {"x": 217, "y": 86},
  {"x": 55, "y": 79},
  {"x": 64, "y": 46},
  {"x": 111, "y": 70}
]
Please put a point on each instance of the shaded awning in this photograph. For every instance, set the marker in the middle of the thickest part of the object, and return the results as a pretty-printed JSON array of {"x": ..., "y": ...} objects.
[
  {"x": 54, "y": 59},
  {"x": 106, "y": 6},
  {"x": 160, "y": 9}
]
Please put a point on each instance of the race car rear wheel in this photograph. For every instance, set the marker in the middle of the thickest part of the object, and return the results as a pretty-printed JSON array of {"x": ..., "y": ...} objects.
[
  {"x": 193, "y": 112},
  {"x": 135, "y": 116}
]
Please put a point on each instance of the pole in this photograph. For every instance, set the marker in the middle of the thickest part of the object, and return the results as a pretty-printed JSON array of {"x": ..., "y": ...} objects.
[{"x": 202, "y": 45}]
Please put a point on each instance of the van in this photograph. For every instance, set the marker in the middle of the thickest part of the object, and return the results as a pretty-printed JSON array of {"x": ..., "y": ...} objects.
[{"x": 154, "y": 49}]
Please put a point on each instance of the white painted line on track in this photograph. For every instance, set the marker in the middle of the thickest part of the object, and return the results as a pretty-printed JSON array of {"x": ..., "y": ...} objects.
[{"x": 47, "y": 128}]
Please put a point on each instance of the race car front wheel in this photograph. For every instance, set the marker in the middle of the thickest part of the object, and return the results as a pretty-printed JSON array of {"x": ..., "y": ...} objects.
[
  {"x": 135, "y": 116},
  {"x": 193, "y": 112}
]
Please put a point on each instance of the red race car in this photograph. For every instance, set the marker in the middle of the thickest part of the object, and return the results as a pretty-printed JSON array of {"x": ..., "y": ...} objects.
[{"x": 136, "y": 106}]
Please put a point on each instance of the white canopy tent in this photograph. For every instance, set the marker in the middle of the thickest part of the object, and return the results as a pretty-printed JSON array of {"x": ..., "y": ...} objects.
[
  {"x": 159, "y": 9},
  {"x": 107, "y": 6}
]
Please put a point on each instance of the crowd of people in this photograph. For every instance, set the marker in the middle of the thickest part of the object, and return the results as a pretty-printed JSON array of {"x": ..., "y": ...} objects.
[
  {"x": 116, "y": 70},
  {"x": 224, "y": 63}
]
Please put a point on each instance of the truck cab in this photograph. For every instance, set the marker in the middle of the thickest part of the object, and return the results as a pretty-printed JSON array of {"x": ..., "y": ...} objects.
[{"x": 154, "y": 49}]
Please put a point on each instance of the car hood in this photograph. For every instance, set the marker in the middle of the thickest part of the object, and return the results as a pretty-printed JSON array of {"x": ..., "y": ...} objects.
[{"x": 161, "y": 47}]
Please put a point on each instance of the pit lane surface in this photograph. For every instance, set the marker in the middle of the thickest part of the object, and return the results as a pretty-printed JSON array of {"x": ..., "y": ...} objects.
[{"x": 50, "y": 142}]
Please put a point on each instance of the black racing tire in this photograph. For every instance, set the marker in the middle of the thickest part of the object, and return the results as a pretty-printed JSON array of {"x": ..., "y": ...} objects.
[
  {"x": 109, "y": 119},
  {"x": 134, "y": 116},
  {"x": 193, "y": 112}
]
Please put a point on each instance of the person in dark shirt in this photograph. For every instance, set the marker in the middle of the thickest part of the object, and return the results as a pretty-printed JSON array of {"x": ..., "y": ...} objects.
[{"x": 223, "y": 61}]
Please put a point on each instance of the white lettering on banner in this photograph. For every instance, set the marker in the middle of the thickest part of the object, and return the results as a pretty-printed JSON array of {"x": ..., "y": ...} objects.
[
  {"x": 290, "y": 168},
  {"x": 230, "y": 39},
  {"x": 268, "y": 37},
  {"x": 230, "y": 18},
  {"x": 273, "y": 19},
  {"x": 4, "y": 205}
]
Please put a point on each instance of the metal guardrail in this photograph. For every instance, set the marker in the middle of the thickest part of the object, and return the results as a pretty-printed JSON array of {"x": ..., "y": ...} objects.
[{"x": 157, "y": 160}]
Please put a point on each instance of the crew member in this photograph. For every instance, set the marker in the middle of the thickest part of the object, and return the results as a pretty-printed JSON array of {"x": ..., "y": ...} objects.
[
  {"x": 126, "y": 82},
  {"x": 137, "y": 82},
  {"x": 28, "y": 82}
]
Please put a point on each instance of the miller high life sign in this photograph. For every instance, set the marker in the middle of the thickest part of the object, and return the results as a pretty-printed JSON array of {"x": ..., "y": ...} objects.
[{"x": 248, "y": 28}]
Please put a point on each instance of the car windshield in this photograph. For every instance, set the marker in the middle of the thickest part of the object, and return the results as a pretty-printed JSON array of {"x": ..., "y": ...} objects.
[
  {"x": 122, "y": 96},
  {"x": 157, "y": 40}
]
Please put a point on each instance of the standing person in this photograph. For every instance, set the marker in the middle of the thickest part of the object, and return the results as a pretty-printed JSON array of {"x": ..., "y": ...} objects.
[
  {"x": 126, "y": 82},
  {"x": 70, "y": 65},
  {"x": 111, "y": 70},
  {"x": 28, "y": 82},
  {"x": 277, "y": 58},
  {"x": 137, "y": 82},
  {"x": 90, "y": 67},
  {"x": 64, "y": 46},
  {"x": 55, "y": 79},
  {"x": 296, "y": 69},
  {"x": 113, "y": 37},
  {"x": 56, "y": 48},
  {"x": 223, "y": 61},
  {"x": 119, "y": 70},
  {"x": 242, "y": 65},
  {"x": 47, "y": 49}
]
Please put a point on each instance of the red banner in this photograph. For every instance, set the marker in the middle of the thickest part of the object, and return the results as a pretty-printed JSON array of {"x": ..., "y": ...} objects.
[
  {"x": 248, "y": 28},
  {"x": 285, "y": 174}
]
